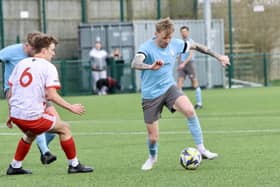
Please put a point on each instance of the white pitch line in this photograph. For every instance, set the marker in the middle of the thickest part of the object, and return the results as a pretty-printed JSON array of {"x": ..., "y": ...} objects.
[
  {"x": 256, "y": 114},
  {"x": 244, "y": 131}
]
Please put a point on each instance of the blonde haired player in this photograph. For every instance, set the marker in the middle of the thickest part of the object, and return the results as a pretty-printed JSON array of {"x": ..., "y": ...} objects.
[
  {"x": 156, "y": 58},
  {"x": 34, "y": 81}
]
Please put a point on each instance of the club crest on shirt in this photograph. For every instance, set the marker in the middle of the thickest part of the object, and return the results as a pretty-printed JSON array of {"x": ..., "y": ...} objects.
[{"x": 172, "y": 53}]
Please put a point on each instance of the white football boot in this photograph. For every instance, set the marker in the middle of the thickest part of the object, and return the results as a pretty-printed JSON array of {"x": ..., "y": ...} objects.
[
  {"x": 148, "y": 165},
  {"x": 206, "y": 154}
]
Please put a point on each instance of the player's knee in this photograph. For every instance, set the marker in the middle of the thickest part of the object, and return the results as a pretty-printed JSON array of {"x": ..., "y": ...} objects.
[
  {"x": 29, "y": 137},
  {"x": 153, "y": 137},
  {"x": 189, "y": 112},
  {"x": 64, "y": 128}
]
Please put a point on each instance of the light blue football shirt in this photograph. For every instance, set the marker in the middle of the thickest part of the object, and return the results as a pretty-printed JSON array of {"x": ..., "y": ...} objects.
[
  {"x": 11, "y": 55},
  {"x": 156, "y": 82},
  {"x": 185, "y": 55}
]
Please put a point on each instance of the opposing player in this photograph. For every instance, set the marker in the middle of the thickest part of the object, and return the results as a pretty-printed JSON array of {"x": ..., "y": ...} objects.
[
  {"x": 34, "y": 81},
  {"x": 11, "y": 56},
  {"x": 186, "y": 68},
  {"x": 156, "y": 59}
]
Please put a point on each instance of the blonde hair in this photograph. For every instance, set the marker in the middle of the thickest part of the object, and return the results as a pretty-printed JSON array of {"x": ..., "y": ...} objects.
[{"x": 165, "y": 25}]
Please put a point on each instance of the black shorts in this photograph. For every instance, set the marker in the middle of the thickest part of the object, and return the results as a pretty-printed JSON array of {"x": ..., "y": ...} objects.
[{"x": 152, "y": 108}]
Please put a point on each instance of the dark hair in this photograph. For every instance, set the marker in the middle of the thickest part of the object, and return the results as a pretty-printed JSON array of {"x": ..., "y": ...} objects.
[
  {"x": 184, "y": 27},
  {"x": 43, "y": 41}
]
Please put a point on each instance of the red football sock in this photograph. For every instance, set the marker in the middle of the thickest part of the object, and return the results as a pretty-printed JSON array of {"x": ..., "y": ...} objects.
[
  {"x": 22, "y": 150},
  {"x": 69, "y": 148}
]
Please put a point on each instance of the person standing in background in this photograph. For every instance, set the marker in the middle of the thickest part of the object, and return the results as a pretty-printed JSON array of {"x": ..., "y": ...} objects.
[
  {"x": 186, "y": 68},
  {"x": 98, "y": 66}
]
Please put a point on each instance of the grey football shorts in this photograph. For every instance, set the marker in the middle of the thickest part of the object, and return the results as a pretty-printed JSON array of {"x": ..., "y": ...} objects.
[
  {"x": 152, "y": 108},
  {"x": 187, "y": 70}
]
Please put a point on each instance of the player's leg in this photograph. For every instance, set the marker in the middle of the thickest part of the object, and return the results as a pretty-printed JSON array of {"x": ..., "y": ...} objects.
[
  {"x": 23, "y": 147},
  {"x": 192, "y": 76},
  {"x": 98, "y": 77},
  {"x": 68, "y": 145},
  {"x": 94, "y": 80},
  {"x": 198, "y": 96},
  {"x": 44, "y": 139},
  {"x": 181, "y": 78},
  {"x": 30, "y": 129},
  {"x": 152, "y": 109},
  {"x": 184, "y": 105},
  {"x": 152, "y": 143},
  {"x": 51, "y": 110},
  {"x": 103, "y": 75}
]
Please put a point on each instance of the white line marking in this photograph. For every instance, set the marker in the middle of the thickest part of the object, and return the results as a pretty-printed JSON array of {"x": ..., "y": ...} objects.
[
  {"x": 256, "y": 114},
  {"x": 244, "y": 131}
]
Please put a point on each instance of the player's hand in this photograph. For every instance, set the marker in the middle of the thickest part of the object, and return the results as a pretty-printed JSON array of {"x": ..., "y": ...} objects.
[
  {"x": 77, "y": 109},
  {"x": 224, "y": 60},
  {"x": 181, "y": 66},
  {"x": 157, "y": 64},
  {"x": 9, "y": 123}
]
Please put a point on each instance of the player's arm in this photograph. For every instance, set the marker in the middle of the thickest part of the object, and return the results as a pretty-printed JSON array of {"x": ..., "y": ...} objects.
[
  {"x": 52, "y": 95},
  {"x": 224, "y": 60},
  {"x": 189, "y": 58},
  {"x": 183, "y": 64},
  {"x": 138, "y": 63}
]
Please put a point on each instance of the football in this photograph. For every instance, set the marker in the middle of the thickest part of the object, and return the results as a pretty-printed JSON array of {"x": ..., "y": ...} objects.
[{"x": 190, "y": 158}]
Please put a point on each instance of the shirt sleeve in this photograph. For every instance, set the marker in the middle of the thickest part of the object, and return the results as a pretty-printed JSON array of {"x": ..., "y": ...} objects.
[
  {"x": 52, "y": 80},
  {"x": 4, "y": 55},
  {"x": 143, "y": 49},
  {"x": 181, "y": 46}
]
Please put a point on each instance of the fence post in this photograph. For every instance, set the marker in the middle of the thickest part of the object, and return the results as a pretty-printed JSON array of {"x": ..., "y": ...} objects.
[
  {"x": 63, "y": 82},
  {"x": 90, "y": 82},
  {"x": 265, "y": 70},
  {"x": 158, "y": 9},
  {"x": 2, "y": 25},
  {"x": 121, "y": 11},
  {"x": 133, "y": 80},
  {"x": 230, "y": 71},
  {"x": 231, "y": 67},
  {"x": 84, "y": 11},
  {"x": 17, "y": 39}
]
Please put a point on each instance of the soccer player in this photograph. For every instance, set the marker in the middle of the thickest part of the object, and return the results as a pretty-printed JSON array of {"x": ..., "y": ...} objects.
[
  {"x": 186, "y": 67},
  {"x": 32, "y": 83},
  {"x": 11, "y": 56},
  {"x": 156, "y": 58}
]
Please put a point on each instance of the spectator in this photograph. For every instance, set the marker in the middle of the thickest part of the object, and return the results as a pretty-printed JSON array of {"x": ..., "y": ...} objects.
[
  {"x": 99, "y": 67},
  {"x": 116, "y": 54}
]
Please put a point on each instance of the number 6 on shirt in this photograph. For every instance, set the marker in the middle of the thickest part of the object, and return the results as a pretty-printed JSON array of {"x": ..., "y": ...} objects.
[{"x": 28, "y": 75}]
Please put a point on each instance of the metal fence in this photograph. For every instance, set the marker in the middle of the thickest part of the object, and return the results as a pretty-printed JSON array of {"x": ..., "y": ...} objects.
[
  {"x": 255, "y": 69},
  {"x": 130, "y": 35},
  {"x": 76, "y": 76},
  {"x": 249, "y": 69}
]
